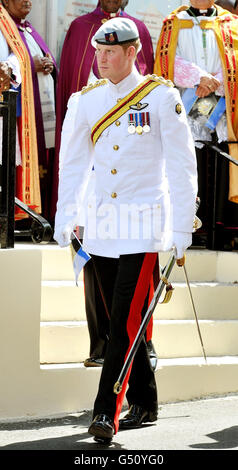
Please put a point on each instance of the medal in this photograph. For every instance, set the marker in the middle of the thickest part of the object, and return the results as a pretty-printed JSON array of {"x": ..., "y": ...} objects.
[
  {"x": 146, "y": 128},
  {"x": 131, "y": 127},
  {"x": 139, "y": 130},
  {"x": 139, "y": 123},
  {"x": 146, "y": 122}
]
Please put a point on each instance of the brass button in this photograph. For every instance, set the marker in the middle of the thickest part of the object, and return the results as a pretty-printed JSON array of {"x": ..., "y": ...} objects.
[
  {"x": 114, "y": 195},
  {"x": 117, "y": 123},
  {"x": 118, "y": 100},
  {"x": 116, "y": 147},
  {"x": 114, "y": 171}
]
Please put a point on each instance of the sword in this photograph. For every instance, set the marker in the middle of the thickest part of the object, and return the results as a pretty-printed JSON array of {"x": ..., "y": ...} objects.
[
  {"x": 195, "y": 313},
  {"x": 162, "y": 283}
]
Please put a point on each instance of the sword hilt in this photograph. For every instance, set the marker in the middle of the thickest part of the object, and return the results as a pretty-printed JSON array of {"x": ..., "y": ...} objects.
[
  {"x": 117, "y": 388},
  {"x": 181, "y": 261}
]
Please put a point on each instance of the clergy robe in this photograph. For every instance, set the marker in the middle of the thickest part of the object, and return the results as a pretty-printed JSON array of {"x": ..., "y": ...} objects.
[
  {"x": 179, "y": 40},
  {"x": 28, "y": 187},
  {"x": 45, "y": 156}
]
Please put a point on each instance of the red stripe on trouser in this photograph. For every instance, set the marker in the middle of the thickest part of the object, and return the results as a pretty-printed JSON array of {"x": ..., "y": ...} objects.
[
  {"x": 134, "y": 319},
  {"x": 149, "y": 329},
  {"x": 153, "y": 286}
]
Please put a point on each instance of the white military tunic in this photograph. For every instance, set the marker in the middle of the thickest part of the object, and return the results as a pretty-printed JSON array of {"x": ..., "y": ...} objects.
[{"x": 152, "y": 176}]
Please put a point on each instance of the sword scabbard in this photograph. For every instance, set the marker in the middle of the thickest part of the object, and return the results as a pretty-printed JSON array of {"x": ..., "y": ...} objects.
[{"x": 162, "y": 284}]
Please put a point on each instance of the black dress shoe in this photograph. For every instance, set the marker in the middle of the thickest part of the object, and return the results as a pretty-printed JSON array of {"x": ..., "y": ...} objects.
[
  {"x": 136, "y": 416},
  {"x": 93, "y": 362},
  {"x": 102, "y": 428},
  {"x": 152, "y": 355}
]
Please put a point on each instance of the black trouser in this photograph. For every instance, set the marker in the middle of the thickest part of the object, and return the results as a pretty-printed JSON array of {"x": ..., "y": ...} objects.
[
  {"x": 125, "y": 283},
  {"x": 96, "y": 313}
]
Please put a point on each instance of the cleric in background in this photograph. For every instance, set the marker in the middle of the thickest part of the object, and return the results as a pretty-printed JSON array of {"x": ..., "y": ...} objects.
[{"x": 198, "y": 51}]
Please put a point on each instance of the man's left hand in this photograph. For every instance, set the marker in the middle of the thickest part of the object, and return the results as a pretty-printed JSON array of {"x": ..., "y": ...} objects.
[{"x": 181, "y": 241}]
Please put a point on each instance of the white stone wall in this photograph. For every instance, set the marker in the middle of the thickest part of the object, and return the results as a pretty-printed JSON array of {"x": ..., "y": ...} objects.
[
  {"x": 38, "y": 16},
  {"x": 43, "y": 16}
]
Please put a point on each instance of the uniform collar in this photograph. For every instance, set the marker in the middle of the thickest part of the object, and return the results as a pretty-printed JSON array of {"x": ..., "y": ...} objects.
[{"x": 127, "y": 84}]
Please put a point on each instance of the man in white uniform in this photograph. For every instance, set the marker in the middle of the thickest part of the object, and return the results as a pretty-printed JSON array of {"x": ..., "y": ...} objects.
[{"x": 134, "y": 130}]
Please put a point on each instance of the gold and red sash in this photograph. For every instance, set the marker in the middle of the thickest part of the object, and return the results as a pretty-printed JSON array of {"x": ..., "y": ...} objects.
[
  {"x": 142, "y": 90},
  {"x": 29, "y": 152},
  {"x": 226, "y": 33}
]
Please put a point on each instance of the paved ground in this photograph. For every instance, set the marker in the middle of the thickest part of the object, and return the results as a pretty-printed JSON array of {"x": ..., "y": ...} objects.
[{"x": 203, "y": 425}]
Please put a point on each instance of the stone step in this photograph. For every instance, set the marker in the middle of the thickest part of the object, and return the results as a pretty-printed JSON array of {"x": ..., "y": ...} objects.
[
  {"x": 64, "y": 301},
  {"x": 189, "y": 378},
  {"x": 68, "y": 342},
  {"x": 212, "y": 300},
  {"x": 202, "y": 265},
  {"x": 177, "y": 379},
  {"x": 60, "y": 388}
]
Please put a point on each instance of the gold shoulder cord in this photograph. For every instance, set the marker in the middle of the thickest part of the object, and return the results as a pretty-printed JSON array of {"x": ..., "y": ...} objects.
[
  {"x": 160, "y": 80},
  {"x": 91, "y": 86}
]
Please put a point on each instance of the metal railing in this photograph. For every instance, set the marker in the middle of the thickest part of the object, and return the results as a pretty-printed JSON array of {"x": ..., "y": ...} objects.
[
  {"x": 40, "y": 230},
  {"x": 218, "y": 153},
  {"x": 7, "y": 177}
]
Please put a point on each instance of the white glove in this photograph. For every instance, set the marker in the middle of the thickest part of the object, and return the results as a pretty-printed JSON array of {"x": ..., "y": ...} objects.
[
  {"x": 181, "y": 241},
  {"x": 62, "y": 235}
]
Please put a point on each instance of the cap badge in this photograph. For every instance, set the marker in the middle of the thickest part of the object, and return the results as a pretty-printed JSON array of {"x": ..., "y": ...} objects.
[{"x": 111, "y": 37}]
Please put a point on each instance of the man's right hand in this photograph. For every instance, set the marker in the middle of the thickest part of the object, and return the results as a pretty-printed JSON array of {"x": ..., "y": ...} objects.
[
  {"x": 62, "y": 235},
  {"x": 4, "y": 77},
  {"x": 207, "y": 86}
]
